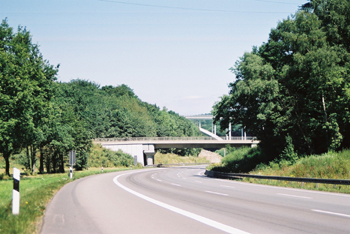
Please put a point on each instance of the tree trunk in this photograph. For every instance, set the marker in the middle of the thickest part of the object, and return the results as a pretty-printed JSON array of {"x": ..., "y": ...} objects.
[
  {"x": 54, "y": 161},
  {"x": 61, "y": 163},
  {"x": 41, "y": 167},
  {"x": 7, "y": 160}
]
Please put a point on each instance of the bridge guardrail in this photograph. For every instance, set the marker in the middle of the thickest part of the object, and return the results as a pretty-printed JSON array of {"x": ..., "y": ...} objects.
[
  {"x": 166, "y": 139},
  {"x": 223, "y": 175}
]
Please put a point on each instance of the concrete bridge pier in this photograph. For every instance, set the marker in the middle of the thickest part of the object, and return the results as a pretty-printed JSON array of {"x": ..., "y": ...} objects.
[{"x": 148, "y": 152}]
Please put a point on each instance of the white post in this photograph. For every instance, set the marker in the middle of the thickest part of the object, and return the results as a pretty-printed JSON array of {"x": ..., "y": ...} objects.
[
  {"x": 242, "y": 133},
  {"x": 215, "y": 129},
  {"x": 71, "y": 172},
  {"x": 101, "y": 169},
  {"x": 229, "y": 131},
  {"x": 15, "y": 191}
]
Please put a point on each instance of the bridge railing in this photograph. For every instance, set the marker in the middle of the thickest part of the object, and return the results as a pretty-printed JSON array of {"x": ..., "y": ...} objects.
[{"x": 168, "y": 139}]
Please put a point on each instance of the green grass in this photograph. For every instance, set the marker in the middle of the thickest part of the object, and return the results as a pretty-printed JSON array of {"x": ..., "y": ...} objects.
[
  {"x": 36, "y": 192},
  {"x": 175, "y": 159},
  {"x": 331, "y": 165}
]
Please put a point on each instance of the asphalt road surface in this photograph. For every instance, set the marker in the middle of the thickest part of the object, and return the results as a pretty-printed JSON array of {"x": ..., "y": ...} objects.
[{"x": 183, "y": 200}]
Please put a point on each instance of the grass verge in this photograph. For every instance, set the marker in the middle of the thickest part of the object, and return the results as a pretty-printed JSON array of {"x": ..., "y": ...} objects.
[
  {"x": 36, "y": 192},
  {"x": 174, "y": 159},
  {"x": 331, "y": 165}
]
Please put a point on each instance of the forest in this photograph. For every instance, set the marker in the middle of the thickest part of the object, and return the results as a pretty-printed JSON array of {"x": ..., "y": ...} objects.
[
  {"x": 42, "y": 119},
  {"x": 293, "y": 91}
]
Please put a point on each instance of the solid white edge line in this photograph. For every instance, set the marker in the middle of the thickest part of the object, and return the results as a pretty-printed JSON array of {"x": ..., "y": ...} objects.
[
  {"x": 198, "y": 218},
  {"x": 331, "y": 213}
]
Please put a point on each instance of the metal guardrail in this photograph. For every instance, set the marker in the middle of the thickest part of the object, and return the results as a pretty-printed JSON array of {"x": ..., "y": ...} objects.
[
  {"x": 223, "y": 175},
  {"x": 167, "y": 139}
]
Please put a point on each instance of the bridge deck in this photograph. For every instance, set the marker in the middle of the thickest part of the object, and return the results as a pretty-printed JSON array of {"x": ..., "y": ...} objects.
[{"x": 179, "y": 142}]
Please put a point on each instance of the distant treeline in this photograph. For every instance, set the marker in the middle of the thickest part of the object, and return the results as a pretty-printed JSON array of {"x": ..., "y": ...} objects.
[{"x": 43, "y": 119}]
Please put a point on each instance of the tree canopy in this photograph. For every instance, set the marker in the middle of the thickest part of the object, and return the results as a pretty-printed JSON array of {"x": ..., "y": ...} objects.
[
  {"x": 296, "y": 85},
  {"x": 45, "y": 119}
]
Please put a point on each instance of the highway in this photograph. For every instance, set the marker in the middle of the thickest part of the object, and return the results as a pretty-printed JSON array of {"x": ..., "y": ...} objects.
[{"x": 183, "y": 200}]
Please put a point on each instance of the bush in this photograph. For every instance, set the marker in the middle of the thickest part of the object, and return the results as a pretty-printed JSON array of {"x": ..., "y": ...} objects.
[
  {"x": 240, "y": 160},
  {"x": 102, "y": 157}
]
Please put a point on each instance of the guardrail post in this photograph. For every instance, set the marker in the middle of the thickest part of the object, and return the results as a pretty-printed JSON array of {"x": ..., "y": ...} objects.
[
  {"x": 302, "y": 184},
  {"x": 316, "y": 185}
]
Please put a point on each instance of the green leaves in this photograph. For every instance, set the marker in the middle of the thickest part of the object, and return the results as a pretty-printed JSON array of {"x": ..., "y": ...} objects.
[
  {"x": 25, "y": 81},
  {"x": 296, "y": 84}
]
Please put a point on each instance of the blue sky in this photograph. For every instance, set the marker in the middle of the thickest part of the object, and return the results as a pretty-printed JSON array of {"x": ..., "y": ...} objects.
[{"x": 175, "y": 54}]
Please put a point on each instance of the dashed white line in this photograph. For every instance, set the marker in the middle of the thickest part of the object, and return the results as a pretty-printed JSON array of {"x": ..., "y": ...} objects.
[
  {"x": 290, "y": 195},
  {"x": 222, "y": 194},
  {"x": 175, "y": 184},
  {"x": 190, "y": 215},
  {"x": 227, "y": 186},
  {"x": 159, "y": 180},
  {"x": 199, "y": 182},
  {"x": 332, "y": 213}
]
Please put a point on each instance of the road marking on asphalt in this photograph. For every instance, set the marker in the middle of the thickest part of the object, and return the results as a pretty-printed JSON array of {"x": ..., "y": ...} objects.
[
  {"x": 332, "y": 213},
  {"x": 222, "y": 194},
  {"x": 227, "y": 186},
  {"x": 283, "y": 188},
  {"x": 159, "y": 180},
  {"x": 175, "y": 184},
  {"x": 290, "y": 195},
  {"x": 198, "y": 182},
  {"x": 198, "y": 218}
]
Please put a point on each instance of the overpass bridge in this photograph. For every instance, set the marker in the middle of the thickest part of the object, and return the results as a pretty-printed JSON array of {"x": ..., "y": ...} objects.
[{"x": 144, "y": 148}]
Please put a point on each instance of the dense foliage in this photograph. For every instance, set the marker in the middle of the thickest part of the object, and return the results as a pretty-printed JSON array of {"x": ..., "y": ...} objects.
[
  {"x": 45, "y": 120},
  {"x": 293, "y": 92},
  {"x": 117, "y": 112}
]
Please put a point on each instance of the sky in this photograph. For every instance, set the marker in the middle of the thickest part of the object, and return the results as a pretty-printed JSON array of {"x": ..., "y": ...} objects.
[{"x": 175, "y": 54}]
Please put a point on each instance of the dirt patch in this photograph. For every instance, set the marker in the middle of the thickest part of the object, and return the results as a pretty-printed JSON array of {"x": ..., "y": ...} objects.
[{"x": 211, "y": 156}]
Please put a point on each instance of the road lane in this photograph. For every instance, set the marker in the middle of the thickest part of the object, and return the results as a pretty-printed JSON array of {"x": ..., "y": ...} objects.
[{"x": 97, "y": 205}]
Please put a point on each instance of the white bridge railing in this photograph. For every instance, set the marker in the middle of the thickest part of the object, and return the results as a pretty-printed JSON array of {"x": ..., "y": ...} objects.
[{"x": 171, "y": 139}]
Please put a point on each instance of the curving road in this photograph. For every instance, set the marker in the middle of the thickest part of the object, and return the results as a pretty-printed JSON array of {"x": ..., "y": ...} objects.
[{"x": 183, "y": 200}]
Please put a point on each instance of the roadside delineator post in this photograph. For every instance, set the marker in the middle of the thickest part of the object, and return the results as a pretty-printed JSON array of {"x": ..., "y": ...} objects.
[
  {"x": 71, "y": 172},
  {"x": 102, "y": 169},
  {"x": 15, "y": 191}
]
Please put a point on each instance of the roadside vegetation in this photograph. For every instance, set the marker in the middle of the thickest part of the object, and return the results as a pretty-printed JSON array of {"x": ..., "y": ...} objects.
[
  {"x": 42, "y": 119},
  {"x": 293, "y": 94},
  {"x": 170, "y": 158},
  {"x": 293, "y": 91},
  {"x": 36, "y": 192},
  {"x": 330, "y": 165}
]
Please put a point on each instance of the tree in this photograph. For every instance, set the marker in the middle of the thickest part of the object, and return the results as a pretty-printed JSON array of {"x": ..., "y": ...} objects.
[
  {"x": 25, "y": 89},
  {"x": 296, "y": 86}
]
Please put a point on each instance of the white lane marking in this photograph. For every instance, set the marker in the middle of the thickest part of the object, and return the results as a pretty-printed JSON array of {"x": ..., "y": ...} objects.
[
  {"x": 198, "y": 218},
  {"x": 159, "y": 180},
  {"x": 290, "y": 195},
  {"x": 283, "y": 188},
  {"x": 332, "y": 213},
  {"x": 184, "y": 178},
  {"x": 175, "y": 184},
  {"x": 222, "y": 194},
  {"x": 199, "y": 182},
  {"x": 227, "y": 186}
]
